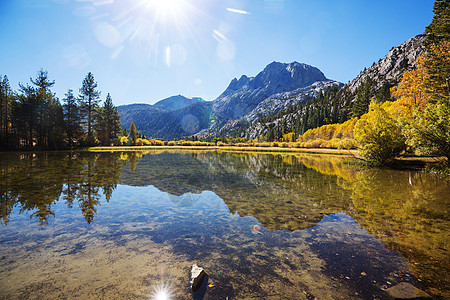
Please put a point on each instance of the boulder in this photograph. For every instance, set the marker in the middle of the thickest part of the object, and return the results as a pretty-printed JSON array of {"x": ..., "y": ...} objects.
[
  {"x": 405, "y": 290},
  {"x": 197, "y": 277}
]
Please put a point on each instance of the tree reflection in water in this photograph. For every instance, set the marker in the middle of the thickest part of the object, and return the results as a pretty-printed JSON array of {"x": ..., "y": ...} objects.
[{"x": 35, "y": 181}]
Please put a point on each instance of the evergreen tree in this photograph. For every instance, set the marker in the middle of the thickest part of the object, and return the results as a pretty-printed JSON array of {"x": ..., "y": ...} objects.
[
  {"x": 361, "y": 104},
  {"x": 55, "y": 125},
  {"x": 40, "y": 112},
  {"x": 71, "y": 117},
  {"x": 6, "y": 104},
  {"x": 108, "y": 122},
  {"x": 133, "y": 133},
  {"x": 384, "y": 93},
  {"x": 89, "y": 99},
  {"x": 270, "y": 136},
  {"x": 439, "y": 29}
]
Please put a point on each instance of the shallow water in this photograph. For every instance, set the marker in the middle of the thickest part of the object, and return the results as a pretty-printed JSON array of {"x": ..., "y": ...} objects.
[{"x": 127, "y": 225}]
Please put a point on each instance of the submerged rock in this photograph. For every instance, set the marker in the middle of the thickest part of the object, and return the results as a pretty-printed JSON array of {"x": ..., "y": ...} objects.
[
  {"x": 197, "y": 277},
  {"x": 405, "y": 290}
]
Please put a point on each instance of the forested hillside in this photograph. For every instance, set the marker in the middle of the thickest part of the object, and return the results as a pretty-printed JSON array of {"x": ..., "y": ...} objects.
[{"x": 154, "y": 122}]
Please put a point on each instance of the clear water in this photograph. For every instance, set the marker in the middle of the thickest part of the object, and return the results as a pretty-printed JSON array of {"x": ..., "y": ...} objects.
[{"x": 128, "y": 225}]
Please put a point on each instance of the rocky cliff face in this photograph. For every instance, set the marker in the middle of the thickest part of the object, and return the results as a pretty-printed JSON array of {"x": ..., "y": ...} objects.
[
  {"x": 244, "y": 95},
  {"x": 389, "y": 70}
]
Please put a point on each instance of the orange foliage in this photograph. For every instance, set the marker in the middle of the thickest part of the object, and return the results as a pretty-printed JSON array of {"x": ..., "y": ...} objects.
[{"x": 411, "y": 91}]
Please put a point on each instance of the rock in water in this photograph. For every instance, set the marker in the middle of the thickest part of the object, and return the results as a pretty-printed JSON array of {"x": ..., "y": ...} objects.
[
  {"x": 405, "y": 290},
  {"x": 197, "y": 277}
]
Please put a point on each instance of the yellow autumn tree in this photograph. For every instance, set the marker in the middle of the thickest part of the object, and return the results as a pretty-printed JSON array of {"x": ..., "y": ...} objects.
[
  {"x": 379, "y": 135},
  {"x": 411, "y": 91}
]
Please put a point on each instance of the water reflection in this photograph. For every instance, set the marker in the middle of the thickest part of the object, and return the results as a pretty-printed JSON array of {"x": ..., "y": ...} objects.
[
  {"x": 35, "y": 181},
  {"x": 297, "y": 203}
]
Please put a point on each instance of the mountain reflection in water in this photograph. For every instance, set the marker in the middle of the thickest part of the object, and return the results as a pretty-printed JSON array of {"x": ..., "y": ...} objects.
[{"x": 406, "y": 211}]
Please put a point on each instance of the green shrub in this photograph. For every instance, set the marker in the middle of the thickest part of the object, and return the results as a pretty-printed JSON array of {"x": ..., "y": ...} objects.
[{"x": 379, "y": 136}]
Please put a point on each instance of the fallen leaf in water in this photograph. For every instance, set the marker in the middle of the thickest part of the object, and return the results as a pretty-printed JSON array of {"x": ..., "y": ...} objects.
[{"x": 211, "y": 285}]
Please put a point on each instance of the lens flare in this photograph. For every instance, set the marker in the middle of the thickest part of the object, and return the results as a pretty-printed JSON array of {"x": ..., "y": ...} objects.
[{"x": 162, "y": 292}]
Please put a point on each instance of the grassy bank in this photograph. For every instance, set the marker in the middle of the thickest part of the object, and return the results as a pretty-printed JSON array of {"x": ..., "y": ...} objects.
[{"x": 229, "y": 148}]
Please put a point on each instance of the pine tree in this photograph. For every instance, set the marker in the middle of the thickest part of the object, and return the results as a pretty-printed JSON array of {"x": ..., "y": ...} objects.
[
  {"x": 108, "y": 122},
  {"x": 384, "y": 93},
  {"x": 40, "y": 111},
  {"x": 439, "y": 29},
  {"x": 361, "y": 104},
  {"x": 71, "y": 117},
  {"x": 133, "y": 133},
  {"x": 89, "y": 99},
  {"x": 6, "y": 102}
]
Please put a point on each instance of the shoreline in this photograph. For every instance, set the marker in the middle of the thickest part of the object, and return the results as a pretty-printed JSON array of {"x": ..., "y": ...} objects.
[
  {"x": 401, "y": 162},
  {"x": 228, "y": 149},
  {"x": 327, "y": 151}
]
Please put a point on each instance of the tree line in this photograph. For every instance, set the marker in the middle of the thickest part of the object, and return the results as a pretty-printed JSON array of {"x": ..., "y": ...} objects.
[{"x": 34, "y": 117}]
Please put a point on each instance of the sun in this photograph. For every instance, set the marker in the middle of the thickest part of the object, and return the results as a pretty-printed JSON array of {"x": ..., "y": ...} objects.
[
  {"x": 166, "y": 9},
  {"x": 167, "y": 5}
]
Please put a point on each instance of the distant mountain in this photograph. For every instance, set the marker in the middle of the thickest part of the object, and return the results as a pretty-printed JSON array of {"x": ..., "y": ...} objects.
[
  {"x": 244, "y": 95},
  {"x": 176, "y": 102},
  {"x": 167, "y": 124},
  {"x": 173, "y": 117}
]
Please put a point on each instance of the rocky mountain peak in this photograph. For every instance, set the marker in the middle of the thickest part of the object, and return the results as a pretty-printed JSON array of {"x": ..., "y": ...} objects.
[
  {"x": 235, "y": 85},
  {"x": 289, "y": 75},
  {"x": 243, "y": 95}
]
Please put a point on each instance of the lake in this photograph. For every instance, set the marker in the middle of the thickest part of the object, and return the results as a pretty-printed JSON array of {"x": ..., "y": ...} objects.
[{"x": 129, "y": 225}]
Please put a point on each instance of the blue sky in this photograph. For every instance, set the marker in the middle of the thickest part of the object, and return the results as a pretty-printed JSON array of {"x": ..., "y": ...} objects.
[{"x": 142, "y": 51}]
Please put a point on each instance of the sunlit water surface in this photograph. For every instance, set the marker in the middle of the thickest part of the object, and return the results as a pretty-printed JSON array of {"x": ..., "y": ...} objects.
[{"x": 129, "y": 225}]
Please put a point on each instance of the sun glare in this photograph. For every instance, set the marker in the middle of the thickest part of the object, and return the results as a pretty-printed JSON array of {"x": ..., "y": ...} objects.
[
  {"x": 166, "y": 4},
  {"x": 162, "y": 292},
  {"x": 165, "y": 8}
]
